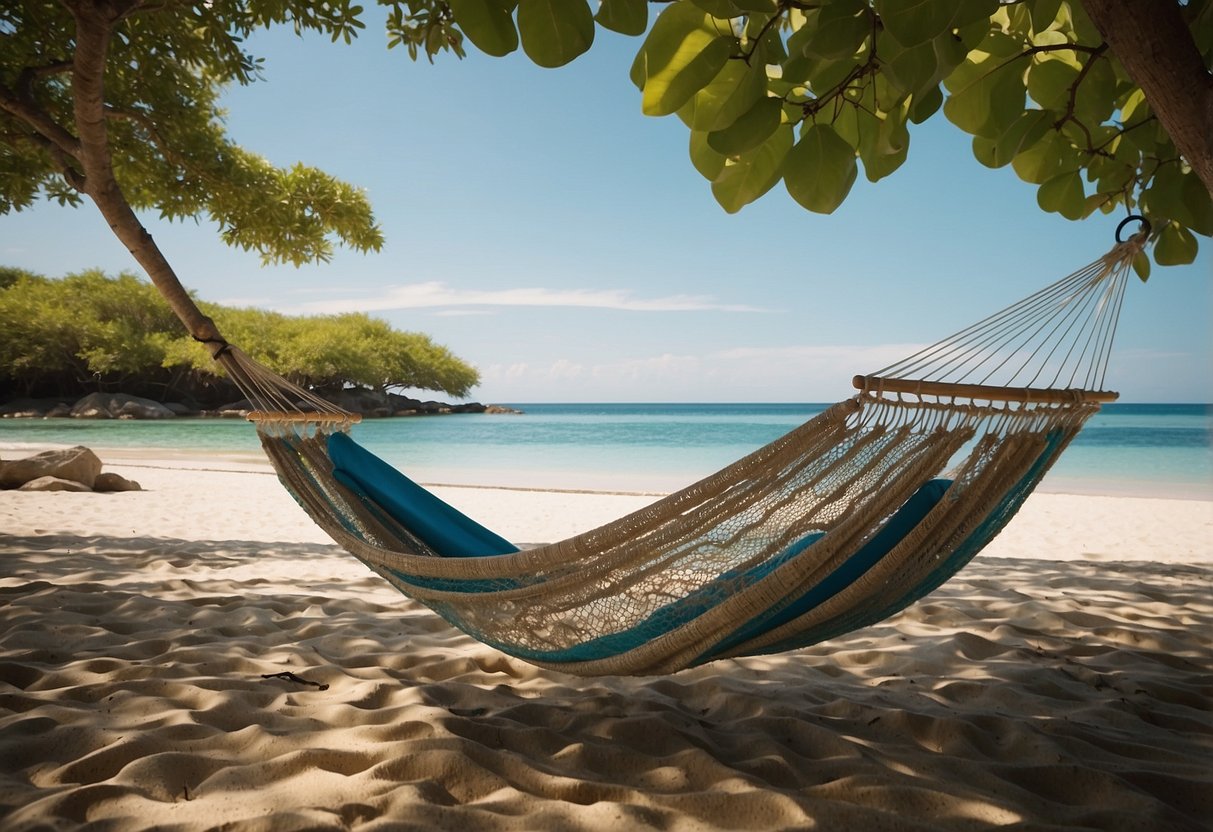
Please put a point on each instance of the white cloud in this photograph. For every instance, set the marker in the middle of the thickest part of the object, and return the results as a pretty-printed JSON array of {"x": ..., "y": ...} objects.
[{"x": 435, "y": 294}]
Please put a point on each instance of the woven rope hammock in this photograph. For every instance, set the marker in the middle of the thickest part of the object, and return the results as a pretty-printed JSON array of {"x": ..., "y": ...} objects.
[{"x": 839, "y": 524}]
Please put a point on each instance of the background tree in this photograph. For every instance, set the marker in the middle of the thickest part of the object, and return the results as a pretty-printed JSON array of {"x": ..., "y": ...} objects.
[
  {"x": 89, "y": 332},
  {"x": 1100, "y": 104}
]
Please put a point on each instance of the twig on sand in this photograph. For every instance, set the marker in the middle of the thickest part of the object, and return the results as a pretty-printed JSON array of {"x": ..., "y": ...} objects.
[{"x": 291, "y": 677}]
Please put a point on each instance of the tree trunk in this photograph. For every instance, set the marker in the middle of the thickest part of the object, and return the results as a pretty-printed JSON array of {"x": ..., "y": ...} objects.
[
  {"x": 1153, "y": 43},
  {"x": 94, "y": 27}
]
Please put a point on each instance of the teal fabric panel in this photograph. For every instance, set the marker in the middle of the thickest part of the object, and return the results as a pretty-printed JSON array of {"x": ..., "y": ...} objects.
[
  {"x": 442, "y": 527},
  {"x": 903, "y": 521}
]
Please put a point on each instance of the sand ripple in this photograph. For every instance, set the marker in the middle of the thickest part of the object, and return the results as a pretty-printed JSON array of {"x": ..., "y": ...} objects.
[{"x": 1022, "y": 695}]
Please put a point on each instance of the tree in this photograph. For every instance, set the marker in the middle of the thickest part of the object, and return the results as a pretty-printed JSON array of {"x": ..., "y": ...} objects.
[{"x": 1101, "y": 104}]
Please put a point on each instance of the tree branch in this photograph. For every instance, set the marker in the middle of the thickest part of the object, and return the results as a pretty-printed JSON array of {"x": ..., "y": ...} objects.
[
  {"x": 1153, "y": 44},
  {"x": 94, "y": 27}
]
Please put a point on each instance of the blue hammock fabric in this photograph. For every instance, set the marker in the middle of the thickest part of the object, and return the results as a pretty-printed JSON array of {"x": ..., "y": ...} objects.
[{"x": 442, "y": 527}]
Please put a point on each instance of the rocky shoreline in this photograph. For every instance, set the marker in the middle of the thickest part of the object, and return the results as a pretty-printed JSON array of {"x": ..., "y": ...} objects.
[{"x": 367, "y": 403}]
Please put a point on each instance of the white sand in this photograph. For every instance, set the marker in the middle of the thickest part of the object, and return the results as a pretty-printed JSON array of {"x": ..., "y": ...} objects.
[{"x": 1061, "y": 681}]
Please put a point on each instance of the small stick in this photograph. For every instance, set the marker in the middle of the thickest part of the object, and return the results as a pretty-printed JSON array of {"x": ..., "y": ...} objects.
[{"x": 291, "y": 677}]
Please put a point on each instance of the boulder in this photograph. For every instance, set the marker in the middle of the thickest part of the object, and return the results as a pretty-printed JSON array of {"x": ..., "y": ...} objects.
[
  {"x": 53, "y": 484},
  {"x": 108, "y": 481},
  {"x": 29, "y": 408},
  {"x": 119, "y": 406},
  {"x": 78, "y": 464},
  {"x": 133, "y": 407}
]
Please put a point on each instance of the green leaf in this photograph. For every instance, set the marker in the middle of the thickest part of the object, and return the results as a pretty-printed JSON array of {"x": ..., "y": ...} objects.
[
  {"x": 1044, "y": 13},
  {"x": 841, "y": 29},
  {"x": 912, "y": 69},
  {"x": 924, "y": 105},
  {"x": 707, "y": 161},
  {"x": 989, "y": 104},
  {"x": 1175, "y": 247},
  {"x": 1063, "y": 195},
  {"x": 731, "y": 94},
  {"x": 1023, "y": 133},
  {"x": 721, "y": 9},
  {"x": 759, "y": 6},
  {"x": 750, "y": 130},
  {"x": 1141, "y": 265},
  {"x": 684, "y": 51},
  {"x": 748, "y": 177},
  {"x": 555, "y": 32},
  {"x": 1177, "y": 194},
  {"x": 1049, "y": 83},
  {"x": 487, "y": 24},
  {"x": 820, "y": 169},
  {"x": 1045, "y": 159},
  {"x": 1095, "y": 99},
  {"x": 627, "y": 17},
  {"x": 913, "y": 22}
]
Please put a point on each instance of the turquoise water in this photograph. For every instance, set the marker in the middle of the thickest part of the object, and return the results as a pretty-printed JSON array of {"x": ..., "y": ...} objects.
[{"x": 1143, "y": 449}]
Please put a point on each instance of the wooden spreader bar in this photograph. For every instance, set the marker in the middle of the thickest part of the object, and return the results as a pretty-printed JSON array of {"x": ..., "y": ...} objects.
[
  {"x": 318, "y": 418},
  {"x": 981, "y": 392}
]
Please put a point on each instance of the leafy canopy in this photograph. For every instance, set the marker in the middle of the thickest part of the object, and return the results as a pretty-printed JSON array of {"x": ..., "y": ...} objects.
[
  {"x": 165, "y": 67},
  {"x": 811, "y": 93},
  {"x": 771, "y": 91}
]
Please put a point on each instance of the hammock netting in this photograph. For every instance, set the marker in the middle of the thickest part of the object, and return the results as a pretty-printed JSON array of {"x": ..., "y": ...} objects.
[{"x": 842, "y": 522}]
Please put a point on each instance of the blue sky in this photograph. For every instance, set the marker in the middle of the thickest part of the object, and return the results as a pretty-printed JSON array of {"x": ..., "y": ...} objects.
[{"x": 547, "y": 232}]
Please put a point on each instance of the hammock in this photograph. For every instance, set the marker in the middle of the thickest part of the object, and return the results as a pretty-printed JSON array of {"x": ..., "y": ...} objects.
[{"x": 837, "y": 525}]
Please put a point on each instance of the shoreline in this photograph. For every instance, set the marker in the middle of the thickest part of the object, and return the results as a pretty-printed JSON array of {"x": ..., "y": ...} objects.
[{"x": 254, "y": 460}]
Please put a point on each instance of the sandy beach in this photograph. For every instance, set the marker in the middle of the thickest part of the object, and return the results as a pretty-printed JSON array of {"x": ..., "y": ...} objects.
[{"x": 1061, "y": 681}]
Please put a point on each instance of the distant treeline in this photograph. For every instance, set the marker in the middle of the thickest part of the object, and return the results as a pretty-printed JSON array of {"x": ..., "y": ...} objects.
[{"x": 89, "y": 332}]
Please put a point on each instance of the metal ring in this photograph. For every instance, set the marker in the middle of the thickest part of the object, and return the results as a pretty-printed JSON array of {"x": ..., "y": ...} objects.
[{"x": 1145, "y": 225}]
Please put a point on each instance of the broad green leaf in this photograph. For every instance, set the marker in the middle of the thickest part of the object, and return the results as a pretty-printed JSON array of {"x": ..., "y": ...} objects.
[
  {"x": 1063, "y": 195},
  {"x": 841, "y": 29},
  {"x": 752, "y": 174},
  {"x": 1175, "y": 247},
  {"x": 722, "y": 9},
  {"x": 750, "y": 130},
  {"x": 683, "y": 52},
  {"x": 1096, "y": 95},
  {"x": 1176, "y": 194},
  {"x": 1044, "y": 13},
  {"x": 1045, "y": 159},
  {"x": 912, "y": 69},
  {"x": 1141, "y": 265},
  {"x": 1025, "y": 131},
  {"x": 707, "y": 161},
  {"x": 760, "y": 6},
  {"x": 555, "y": 32},
  {"x": 825, "y": 75},
  {"x": 914, "y": 22},
  {"x": 487, "y": 24},
  {"x": 820, "y": 169},
  {"x": 987, "y": 106},
  {"x": 926, "y": 104},
  {"x": 731, "y": 94},
  {"x": 1049, "y": 84},
  {"x": 628, "y": 17},
  {"x": 1197, "y": 200}
]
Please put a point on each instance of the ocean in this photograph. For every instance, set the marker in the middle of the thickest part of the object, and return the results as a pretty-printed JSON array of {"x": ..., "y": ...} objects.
[{"x": 1163, "y": 450}]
